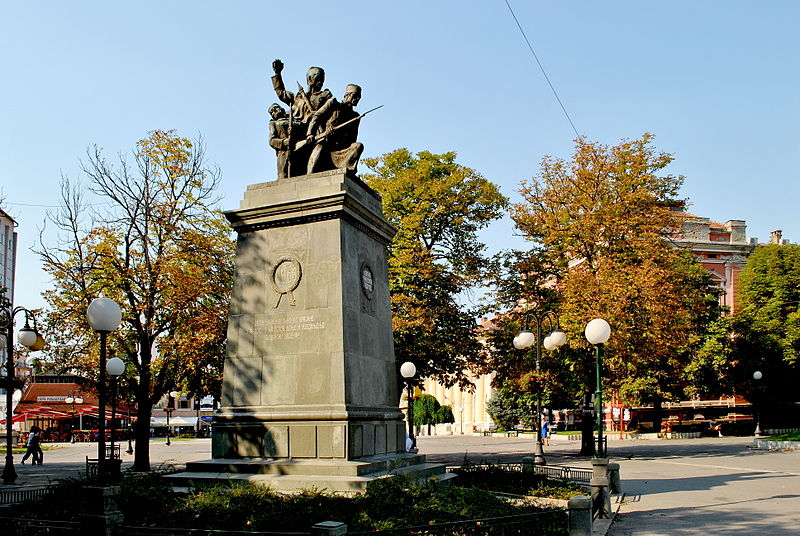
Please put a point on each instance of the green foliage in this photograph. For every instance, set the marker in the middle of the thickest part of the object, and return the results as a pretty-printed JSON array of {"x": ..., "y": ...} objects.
[
  {"x": 770, "y": 296},
  {"x": 438, "y": 207},
  {"x": 158, "y": 248},
  {"x": 768, "y": 324},
  {"x": 394, "y": 502},
  {"x": 791, "y": 436},
  {"x": 498, "y": 478},
  {"x": 600, "y": 224},
  {"x": 427, "y": 410},
  {"x": 511, "y": 406},
  {"x": 145, "y": 498}
]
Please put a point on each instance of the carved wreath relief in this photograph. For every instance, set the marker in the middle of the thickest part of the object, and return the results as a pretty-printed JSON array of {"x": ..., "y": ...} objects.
[{"x": 285, "y": 278}]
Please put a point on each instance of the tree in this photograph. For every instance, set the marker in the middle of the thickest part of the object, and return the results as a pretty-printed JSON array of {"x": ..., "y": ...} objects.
[
  {"x": 509, "y": 407},
  {"x": 427, "y": 410},
  {"x": 438, "y": 207},
  {"x": 156, "y": 246},
  {"x": 602, "y": 222},
  {"x": 768, "y": 324}
]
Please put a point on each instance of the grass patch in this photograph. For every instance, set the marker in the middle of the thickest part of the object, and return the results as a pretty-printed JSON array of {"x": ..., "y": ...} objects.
[{"x": 791, "y": 436}]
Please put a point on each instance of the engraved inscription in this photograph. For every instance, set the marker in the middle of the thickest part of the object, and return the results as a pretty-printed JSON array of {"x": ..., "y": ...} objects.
[{"x": 286, "y": 328}]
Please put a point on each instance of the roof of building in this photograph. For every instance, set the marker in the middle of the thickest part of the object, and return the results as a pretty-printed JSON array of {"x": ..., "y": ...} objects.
[{"x": 4, "y": 213}]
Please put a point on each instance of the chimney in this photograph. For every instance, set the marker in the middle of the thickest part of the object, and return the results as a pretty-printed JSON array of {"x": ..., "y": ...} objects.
[{"x": 775, "y": 236}]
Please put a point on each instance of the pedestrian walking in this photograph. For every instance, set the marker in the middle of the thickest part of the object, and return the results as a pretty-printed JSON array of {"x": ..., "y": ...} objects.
[{"x": 33, "y": 446}]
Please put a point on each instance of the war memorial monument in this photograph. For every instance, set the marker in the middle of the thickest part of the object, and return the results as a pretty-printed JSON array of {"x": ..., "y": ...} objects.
[{"x": 310, "y": 391}]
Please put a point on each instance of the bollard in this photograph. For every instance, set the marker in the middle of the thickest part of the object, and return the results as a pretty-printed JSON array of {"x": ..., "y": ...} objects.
[
  {"x": 329, "y": 528},
  {"x": 614, "y": 482},
  {"x": 601, "y": 498},
  {"x": 580, "y": 515},
  {"x": 528, "y": 463}
]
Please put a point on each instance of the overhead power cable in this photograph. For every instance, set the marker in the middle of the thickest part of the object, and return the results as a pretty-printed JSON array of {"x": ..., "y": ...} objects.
[{"x": 530, "y": 47}]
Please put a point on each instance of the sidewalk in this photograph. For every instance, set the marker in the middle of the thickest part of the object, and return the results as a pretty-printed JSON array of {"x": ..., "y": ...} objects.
[{"x": 68, "y": 460}]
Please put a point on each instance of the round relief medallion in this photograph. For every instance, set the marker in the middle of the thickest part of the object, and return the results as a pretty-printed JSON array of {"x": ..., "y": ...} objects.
[
  {"x": 286, "y": 277},
  {"x": 367, "y": 281}
]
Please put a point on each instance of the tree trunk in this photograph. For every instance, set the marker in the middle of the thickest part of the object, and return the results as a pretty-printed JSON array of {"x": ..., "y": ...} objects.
[
  {"x": 141, "y": 431},
  {"x": 658, "y": 415}
]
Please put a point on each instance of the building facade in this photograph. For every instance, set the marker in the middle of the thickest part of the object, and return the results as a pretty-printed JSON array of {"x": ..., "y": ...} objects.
[
  {"x": 8, "y": 261},
  {"x": 8, "y": 253},
  {"x": 721, "y": 248}
]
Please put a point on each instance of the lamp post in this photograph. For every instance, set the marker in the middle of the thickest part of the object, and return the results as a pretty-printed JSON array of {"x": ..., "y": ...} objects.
[
  {"x": 407, "y": 371},
  {"x": 104, "y": 316},
  {"x": 525, "y": 340},
  {"x": 130, "y": 433},
  {"x": 115, "y": 367},
  {"x": 73, "y": 399},
  {"x": 30, "y": 338},
  {"x": 757, "y": 410},
  {"x": 597, "y": 333},
  {"x": 168, "y": 409}
]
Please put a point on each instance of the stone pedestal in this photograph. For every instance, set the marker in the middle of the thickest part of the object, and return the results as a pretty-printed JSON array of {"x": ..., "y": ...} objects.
[{"x": 309, "y": 371}]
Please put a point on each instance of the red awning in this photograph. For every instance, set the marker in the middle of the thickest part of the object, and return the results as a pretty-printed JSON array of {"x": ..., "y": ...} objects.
[{"x": 40, "y": 412}]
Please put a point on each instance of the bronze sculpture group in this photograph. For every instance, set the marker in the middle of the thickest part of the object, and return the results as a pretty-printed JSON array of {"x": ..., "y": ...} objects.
[{"x": 319, "y": 133}]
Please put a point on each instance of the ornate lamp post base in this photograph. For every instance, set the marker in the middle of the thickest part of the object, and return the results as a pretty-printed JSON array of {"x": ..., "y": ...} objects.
[{"x": 9, "y": 473}]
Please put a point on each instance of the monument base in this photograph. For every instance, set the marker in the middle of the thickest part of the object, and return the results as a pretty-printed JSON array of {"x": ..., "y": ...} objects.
[{"x": 348, "y": 476}]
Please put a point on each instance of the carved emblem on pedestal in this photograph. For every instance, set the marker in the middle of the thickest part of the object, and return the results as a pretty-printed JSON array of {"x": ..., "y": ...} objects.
[{"x": 285, "y": 278}]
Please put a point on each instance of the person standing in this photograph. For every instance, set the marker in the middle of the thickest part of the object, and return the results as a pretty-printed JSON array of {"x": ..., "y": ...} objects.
[{"x": 546, "y": 432}]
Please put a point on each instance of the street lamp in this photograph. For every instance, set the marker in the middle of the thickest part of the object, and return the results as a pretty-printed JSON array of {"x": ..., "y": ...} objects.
[
  {"x": 104, "y": 316},
  {"x": 525, "y": 340},
  {"x": 73, "y": 399},
  {"x": 115, "y": 367},
  {"x": 597, "y": 333},
  {"x": 168, "y": 409},
  {"x": 407, "y": 371},
  {"x": 29, "y": 337},
  {"x": 757, "y": 410}
]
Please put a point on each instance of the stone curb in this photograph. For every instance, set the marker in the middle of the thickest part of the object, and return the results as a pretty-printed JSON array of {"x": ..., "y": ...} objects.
[{"x": 769, "y": 444}]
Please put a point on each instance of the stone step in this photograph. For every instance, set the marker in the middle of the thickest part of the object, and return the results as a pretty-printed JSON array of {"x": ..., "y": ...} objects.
[
  {"x": 298, "y": 466},
  {"x": 297, "y": 482}
]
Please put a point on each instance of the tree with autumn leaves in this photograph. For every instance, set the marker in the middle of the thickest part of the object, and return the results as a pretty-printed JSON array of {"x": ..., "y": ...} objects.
[
  {"x": 153, "y": 243},
  {"x": 599, "y": 226},
  {"x": 438, "y": 206}
]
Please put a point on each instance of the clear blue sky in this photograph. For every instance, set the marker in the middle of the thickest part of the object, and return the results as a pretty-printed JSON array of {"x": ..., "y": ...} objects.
[{"x": 716, "y": 82}]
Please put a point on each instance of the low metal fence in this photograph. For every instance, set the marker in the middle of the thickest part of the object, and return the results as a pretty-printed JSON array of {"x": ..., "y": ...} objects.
[
  {"x": 125, "y": 530},
  {"x": 15, "y": 496},
  {"x": 14, "y": 526},
  {"x": 563, "y": 472},
  {"x": 548, "y": 523}
]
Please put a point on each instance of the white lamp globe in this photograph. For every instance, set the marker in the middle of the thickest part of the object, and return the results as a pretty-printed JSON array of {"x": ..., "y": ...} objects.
[
  {"x": 524, "y": 340},
  {"x": 597, "y": 331},
  {"x": 115, "y": 366},
  {"x": 549, "y": 344},
  {"x": 79, "y": 400},
  {"x": 27, "y": 337},
  {"x": 69, "y": 400},
  {"x": 558, "y": 337},
  {"x": 757, "y": 375},
  {"x": 103, "y": 314},
  {"x": 408, "y": 369}
]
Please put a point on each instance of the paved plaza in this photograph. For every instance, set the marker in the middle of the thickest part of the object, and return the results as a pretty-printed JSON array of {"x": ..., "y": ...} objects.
[{"x": 709, "y": 487}]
